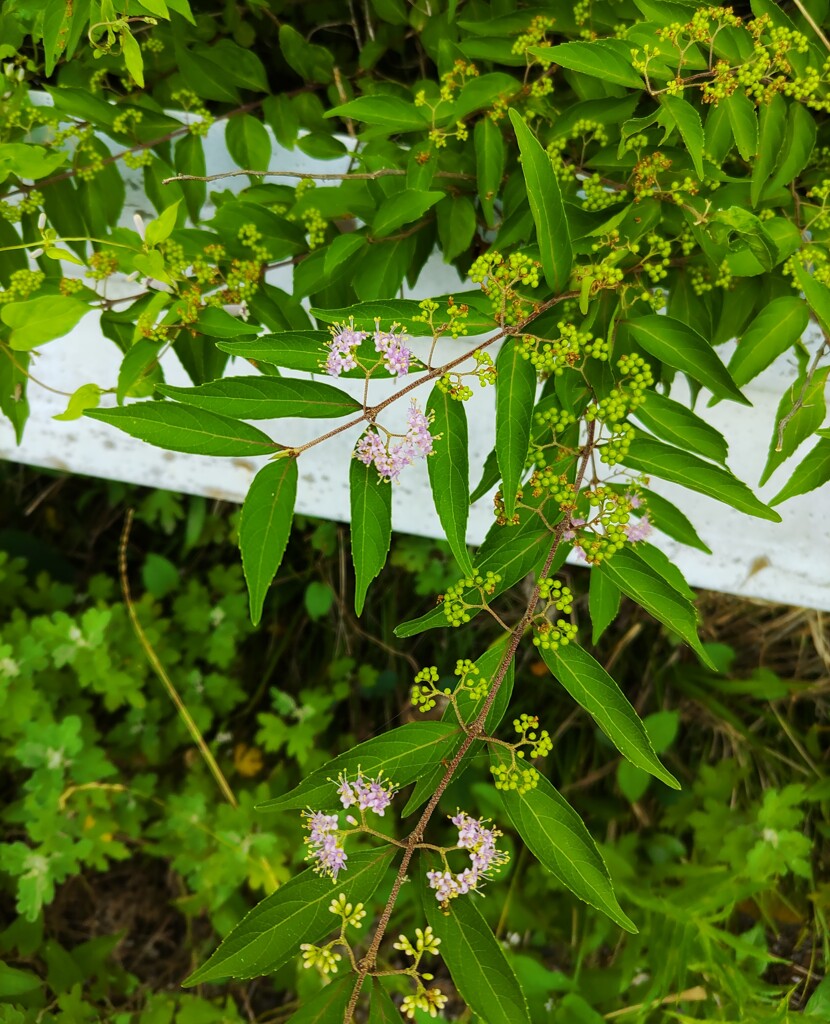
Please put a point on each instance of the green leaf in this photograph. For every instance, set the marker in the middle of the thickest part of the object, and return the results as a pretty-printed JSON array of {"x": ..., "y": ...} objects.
[
  {"x": 182, "y": 429},
  {"x": 281, "y": 115},
  {"x": 775, "y": 329},
  {"x": 642, "y": 584},
  {"x": 799, "y": 141},
  {"x": 670, "y": 520},
  {"x": 817, "y": 295},
  {"x": 476, "y": 960},
  {"x": 280, "y": 237},
  {"x": 449, "y": 474},
  {"x": 266, "y": 398},
  {"x": 811, "y": 472},
  {"x": 678, "y": 425},
  {"x": 403, "y": 208},
  {"x": 773, "y": 119},
  {"x": 479, "y": 317},
  {"x": 744, "y": 123},
  {"x": 556, "y": 835},
  {"x": 660, "y": 562},
  {"x": 515, "y": 395},
  {"x": 603, "y": 604},
  {"x": 402, "y": 754},
  {"x": 687, "y": 121},
  {"x": 160, "y": 229},
  {"x": 546, "y": 204},
  {"x": 131, "y": 52},
  {"x": 14, "y": 982},
  {"x": 264, "y": 526},
  {"x": 28, "y": 161},
  {"x": 36, "y": 321},
  {"x": 88, "y": 396},
  {"x": 599, "y": 59},
  {"x": 679, "y": 467},
  {"x": 270, "y": 934},
  {"x": 371, "y": 526},
  {"x": 802, "y": 423},
  {"x": 342, "y": 249},
  {"x": 304, "y": 350},
  {"x": 381, "y": 1008},
  {"x": 456, "y": 218},
  {"x": 248, "y": 142},
  {"x": 328, "y": 1006},
  {"x": 593, "y": 689},
  {"x": 490, "y": 158},
  {"x": 13, "y": 381},
  {"x": 678, "y": 345},
  {"x": 189, "y": 156},
  {"x": 217, "y": 323},
  {"x": 391, "y": 112},
  {"x": 311, "y": 62}
]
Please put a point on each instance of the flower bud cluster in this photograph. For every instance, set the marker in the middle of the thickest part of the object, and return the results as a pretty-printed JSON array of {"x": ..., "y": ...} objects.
[{"x": 430, "y": 1000}]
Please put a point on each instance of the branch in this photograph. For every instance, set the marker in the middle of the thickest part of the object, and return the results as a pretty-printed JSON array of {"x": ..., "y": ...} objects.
[
  {"x": 384, "y": 172},
  {"x": 475, "y": 731},
  {"x": 812, "y": 23},
  {"x": 799, "y": 402}
]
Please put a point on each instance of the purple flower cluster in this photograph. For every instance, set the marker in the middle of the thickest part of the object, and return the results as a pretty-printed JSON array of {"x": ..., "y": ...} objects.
[
  {"x": 368, "y": 794},
  {"x": 344, "y": 342},
  {"x": 325, "y": 843},
  {"x": 389, "y": 459},
  {"x": 639, "y": 530},
  {"x": 396, "y": 354},
  {"x": 325, "y": 839},
  {"x": 480, "y": 842}
]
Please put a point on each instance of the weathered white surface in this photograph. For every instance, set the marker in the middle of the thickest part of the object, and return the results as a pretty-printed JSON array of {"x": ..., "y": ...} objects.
[{"x": 787, "y": 562}]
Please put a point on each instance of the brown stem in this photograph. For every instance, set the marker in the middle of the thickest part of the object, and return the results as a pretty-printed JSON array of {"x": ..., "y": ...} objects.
[
  {"x": 384, "y": 172},
  {"x": 474, "y": 732}
]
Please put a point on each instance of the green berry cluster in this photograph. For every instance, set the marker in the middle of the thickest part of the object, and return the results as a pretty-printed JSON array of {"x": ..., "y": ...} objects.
[
  {"x": 520, "y": 778},
  {"x": 471, "y": 679},
  {"x": 29, "y": 203},
  {"x": 550, "y": 636},
  {"x": 22, "y": 283},
  {"x": 552, "y": 357},
  {"x": 500, "y": 510},
  {"x": 456, "y": 608},
  {"x": 452, "y": 385},
  {"x": 534, "y": 35},
  {"x": 499, "y": 277},
  {"x": 527, "y": 726},
  {"x": 190, "y": 102},
  {"x": 102, "y": 265},
  {"x": 556, "y": 595},
  {"x": 657, "y": 262},
  {"x": 557, "y": 485},
  {"x": 598, "y": 196},
  {"x": 629, "y": 393},
  {"x": 425, "y": 691},
  {"x": 558, "y": 420},
  {"x": 126, "y": 122},
  {"x": 583, "y": 131}
]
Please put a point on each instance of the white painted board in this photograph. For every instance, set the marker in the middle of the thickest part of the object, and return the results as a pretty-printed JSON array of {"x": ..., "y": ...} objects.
[{"x": 787, "y": 562}]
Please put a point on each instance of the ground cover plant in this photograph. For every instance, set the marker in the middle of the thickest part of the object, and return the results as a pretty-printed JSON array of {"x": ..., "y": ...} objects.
[{"x": 626, "y": 187}]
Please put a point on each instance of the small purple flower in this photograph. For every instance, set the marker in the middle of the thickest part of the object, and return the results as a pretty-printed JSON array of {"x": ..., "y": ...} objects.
[
  {"x": 324, "y": 843},
  {"x": 344, "y": 342},
  {"x": 388, "y": 458},
  {"x": 570, "y": 533},
  {"x": 638, "y": 531},
  {"x": 397, "y": 354},
  {"x": 368, "y": 794},
  {"x": 480, "y": 842}
]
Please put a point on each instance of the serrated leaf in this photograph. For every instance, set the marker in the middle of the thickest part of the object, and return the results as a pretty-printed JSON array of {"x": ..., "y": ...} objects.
[
  {"x": 381, "y": 1008},
  {"x": 798, "y": 144},
  {"x": 687, "y": 121},
  {"x": 667, "y": 518},
  {"x": 608, "y": 62},
  {"x": 449, "y": 474},
  {"x": 311, "y": 62},
  {"x": 456, "y": 220},
  {"x": 182, "y": 429},
  {"x": 546, "y": 204},
  {"x": 515, "y": 395},
  {"x": 371, "y": 526},
  {"x": 402, "y": 754},
  {"x": 248, "y": 142},
  {"x": 774, "y": 330},
  {"x": 264, "y": 527},
  {"x": 391, "y": 112},
  {"x": 266, "y": 398},
  {"x": 270, "y": 934},
  {"x": 817, "y": 295},
  {"x": 744, "y": 123},
  {"x": 594, "y": 689},
  {"x": 556, "y": 835},
  {"x": 490, "y": 158},
  {"x": 328, "y": 1006},
  {"x": 342, "y": 248},
  {"x": 35, "y": 321},
  {"x": 402, "y": 208},
  {"x": 811, "y": 472},
  {"x": 476, "y": 961},
  {"x": 806, "y": 408},
  {"x": 772, "y": 125},
  {"x": 642, "y": 584},
  {"x": 603, "y": 604},
  {"x": 678, "y": 425},
  {"x": 677, "y": 344},
  {"x": 679, "y": 467}
]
